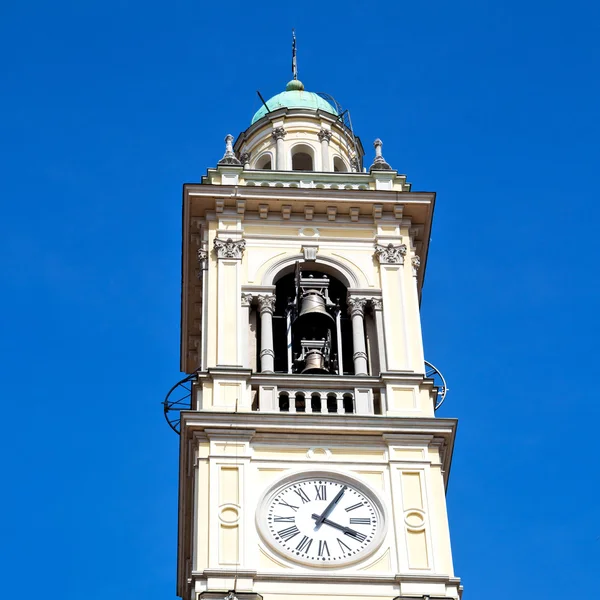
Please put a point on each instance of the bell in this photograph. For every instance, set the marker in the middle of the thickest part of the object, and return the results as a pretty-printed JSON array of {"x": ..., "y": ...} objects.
[
  {"x": 312, "y": 304},
  {"x": 315, "y": 362}
]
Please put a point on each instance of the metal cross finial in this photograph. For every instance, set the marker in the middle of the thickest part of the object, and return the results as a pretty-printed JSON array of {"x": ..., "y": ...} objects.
[{"x": 294, "y": 63}]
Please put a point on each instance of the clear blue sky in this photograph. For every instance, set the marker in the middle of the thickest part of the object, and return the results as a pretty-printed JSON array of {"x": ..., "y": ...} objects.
[{"x": 108, "y": 107}]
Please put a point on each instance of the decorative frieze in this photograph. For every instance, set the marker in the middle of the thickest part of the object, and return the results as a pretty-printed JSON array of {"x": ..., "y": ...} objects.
[
  {"x": 229, "y": 248},
  {"x": 390, "y": 254}
]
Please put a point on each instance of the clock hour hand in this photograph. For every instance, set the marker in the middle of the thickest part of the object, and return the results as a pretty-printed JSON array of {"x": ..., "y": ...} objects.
[
  {"x": 320, "y": 519},
  {"x": 347, "y": 530}
]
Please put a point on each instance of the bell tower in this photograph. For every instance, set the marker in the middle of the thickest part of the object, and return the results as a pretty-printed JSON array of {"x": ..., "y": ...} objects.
[{"x": 312, "y": 464}]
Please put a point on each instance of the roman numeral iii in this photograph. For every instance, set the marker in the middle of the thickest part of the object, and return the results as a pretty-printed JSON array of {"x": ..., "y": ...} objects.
[{"x": 359, "y": 521}]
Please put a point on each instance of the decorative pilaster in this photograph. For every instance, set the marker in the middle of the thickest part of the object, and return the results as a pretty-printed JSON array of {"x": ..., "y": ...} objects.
[
  {"x": 325, "y": 136},
  {"x": 229, "y": 248},
  {"x": 390, "y": 254},
  {"x": 397, "y": 343},
  {"x": 229, "y": 157},
  {"x": 278, "y": 134},
  {"x": 266, "y": 306},
  {"x": 230, "y": 348},
  {"x": 246, "y": 308},
  {"x": 377, "y": 307},
  {"x": 356, "y": 309}
]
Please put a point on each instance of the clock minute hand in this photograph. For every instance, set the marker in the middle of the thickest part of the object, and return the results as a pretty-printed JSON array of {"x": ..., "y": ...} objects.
[
  {"x": 321, "y": 518},
  {"x": 346, "y": 530}
]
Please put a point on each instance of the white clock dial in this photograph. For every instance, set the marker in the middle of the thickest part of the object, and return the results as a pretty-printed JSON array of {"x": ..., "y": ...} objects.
[{"x": 322, "y": 521}]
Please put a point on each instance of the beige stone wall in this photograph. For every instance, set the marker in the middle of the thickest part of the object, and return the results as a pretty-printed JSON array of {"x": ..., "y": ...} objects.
[{"x": 235, "y": 467}]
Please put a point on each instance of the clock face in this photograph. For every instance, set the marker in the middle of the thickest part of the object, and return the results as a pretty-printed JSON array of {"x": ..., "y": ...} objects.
[{"x": 322, "y": 520}]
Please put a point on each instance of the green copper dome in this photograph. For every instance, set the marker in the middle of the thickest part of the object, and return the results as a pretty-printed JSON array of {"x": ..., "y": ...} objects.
[{"x": 295, "y": 97}]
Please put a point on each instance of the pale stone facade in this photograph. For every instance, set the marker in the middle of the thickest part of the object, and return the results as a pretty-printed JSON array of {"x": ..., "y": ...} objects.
[{"x": 257, "y": 420}]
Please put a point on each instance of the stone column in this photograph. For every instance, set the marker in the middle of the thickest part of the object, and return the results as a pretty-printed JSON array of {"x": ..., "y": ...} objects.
[
  {"x": 325, "y": 136},
  {"x": 278, "y": 135},
  {"x": 356, "y": 308},
  {"x": 266, "y": 306}
]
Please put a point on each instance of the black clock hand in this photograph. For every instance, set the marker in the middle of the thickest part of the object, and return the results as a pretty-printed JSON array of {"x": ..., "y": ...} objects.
[
  {"x": 321, "y": 518},
  {"x": 347, "y": 530}
]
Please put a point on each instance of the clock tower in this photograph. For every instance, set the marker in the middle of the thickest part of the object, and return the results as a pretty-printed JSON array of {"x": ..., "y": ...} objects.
[{"x": 312, "y": 465}]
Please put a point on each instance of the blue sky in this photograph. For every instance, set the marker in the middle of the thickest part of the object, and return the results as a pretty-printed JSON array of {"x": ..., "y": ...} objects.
[{"x": 108, "y": 107}]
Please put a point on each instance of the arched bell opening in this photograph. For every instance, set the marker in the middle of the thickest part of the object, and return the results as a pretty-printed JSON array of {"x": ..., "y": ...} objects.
[{"x": 312, "y": 332}]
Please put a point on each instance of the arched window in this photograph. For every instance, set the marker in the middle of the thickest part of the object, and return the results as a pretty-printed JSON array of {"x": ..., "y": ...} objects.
[
  {"x": 264, "y": 162},
  {"x": 302, "y": 158},
  {"x": 338, "y": 165}
]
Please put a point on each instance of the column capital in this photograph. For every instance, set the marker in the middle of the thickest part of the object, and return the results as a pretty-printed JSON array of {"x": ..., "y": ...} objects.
[
  {"x": 247, "y": 299},
  {"x": 278, "y": 133},
  {"x": 266, "y": 303},
  {"x": 325, "y": 134},
  {"x": 415, "y": 261},
  {"x": 390, "y": 254},
  {"x": 376, "y": 303},
  {"x": 356, "y": 306},
  {"x": 229, "y": 248}
]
